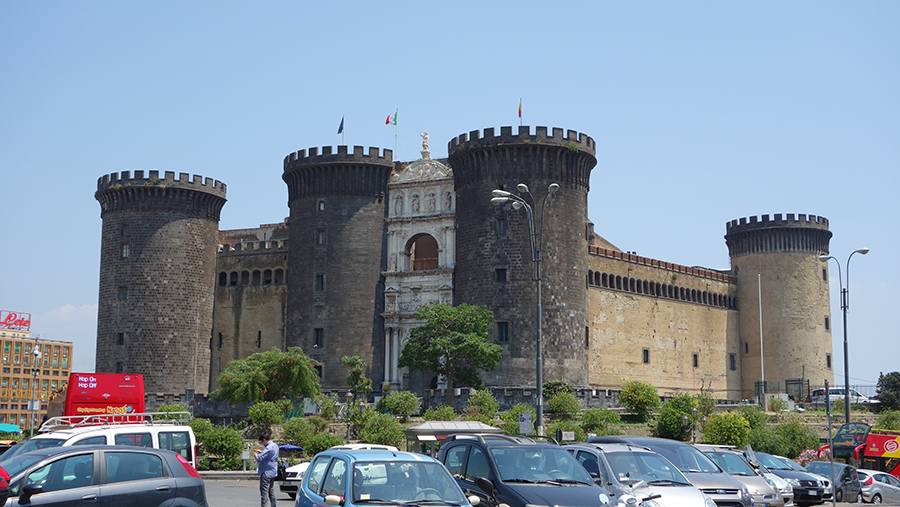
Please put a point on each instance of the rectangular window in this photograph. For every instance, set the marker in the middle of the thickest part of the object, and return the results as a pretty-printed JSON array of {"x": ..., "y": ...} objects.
[
  {"x": 320, "y": 282},
  {"x": 124, "y": 250},
  {"x": 65, "y": 363},
  {"x": 501, "y": 226},
  {"x": 503, "y": 332},
  {"x": 587, "y": 337},
  {"x": 827, "y": 324},
  {"x": 746, "y": 347},
  {"x": 258, "y": 339},
  {"x": 500, "y": 275},
  {"x": 828, "y": 361},
  {"x": 123, "y": 293},
  {"x": 218, "y": 365},
  {"x": 319, "y": 337},
  {"x": 695, "y": 360},
  {"x": 220, "y": 340},
  {"x": 126, "y": 230},
  {"x": 320, "y": 237},
  {"x": 646, "y": 356},
  {"x": 732, "y": 362},
  {"x": 824, "y": 275},
  {"x": 121, "y": 339},
  {"x": 120, "y": 368},
  {"x": 321, "y": 205},
  {"x": 18, "y": 348}
]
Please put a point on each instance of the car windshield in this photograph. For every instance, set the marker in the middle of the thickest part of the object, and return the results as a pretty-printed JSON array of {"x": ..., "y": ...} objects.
[
  {"x": 538, "y": 464},
  {"x": 686, "y": 457},
  {"x": 823, "y": 468},
  {"x": 732, "y": 463},
  {"x": 631, "y": 467},
  {"x": 793, "y": 465},
  {"x": 29, "y": 445},
  {"x": 391, "y": 482},
  {"x": 771, "y": 462}
]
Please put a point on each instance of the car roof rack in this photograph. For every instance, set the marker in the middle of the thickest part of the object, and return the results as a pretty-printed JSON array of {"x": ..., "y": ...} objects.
[
  {"x": 78, "y": 421},
  {"x": 492, "y": 437}
]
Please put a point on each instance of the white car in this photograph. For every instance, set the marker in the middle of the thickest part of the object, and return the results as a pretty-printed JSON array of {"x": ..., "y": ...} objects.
[
  {"x": 837, "y": 393},
  {"x": 294, "y": 474}
]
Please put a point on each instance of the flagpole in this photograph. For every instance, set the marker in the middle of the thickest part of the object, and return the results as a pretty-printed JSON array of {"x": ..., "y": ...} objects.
[
  {"x": 520, "y": 112},
  {"x": 396, "y": 130}
]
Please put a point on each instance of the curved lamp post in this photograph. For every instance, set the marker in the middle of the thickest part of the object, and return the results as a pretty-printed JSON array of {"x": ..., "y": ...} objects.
[
  {"x": 501, "y": 197},
  {"x": 845, "y": 303}
]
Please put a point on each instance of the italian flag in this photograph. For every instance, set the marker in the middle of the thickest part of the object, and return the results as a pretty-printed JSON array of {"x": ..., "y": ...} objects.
[{"x": 391, "y": 119}]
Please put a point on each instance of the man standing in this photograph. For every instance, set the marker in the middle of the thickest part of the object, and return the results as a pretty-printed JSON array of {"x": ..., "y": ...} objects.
[{"x": 267, "y": 469}]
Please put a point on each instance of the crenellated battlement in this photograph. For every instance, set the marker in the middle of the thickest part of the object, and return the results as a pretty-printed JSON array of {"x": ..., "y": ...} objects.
[
  {"x": 668, "y": 266},
  {"x": 475, "y": 139},
  {"x": 253, "y": 247},
  {"x": 789, "y": 220},
  {"x": 124, "y": 179},
  {"x": 328, "y": 155}
]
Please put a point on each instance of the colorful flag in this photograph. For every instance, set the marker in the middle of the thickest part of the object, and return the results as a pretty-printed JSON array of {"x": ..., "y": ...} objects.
[
  {"x": 520, "y": 108},
  {"x": 341, "y": 128},
  {"x": 391, "y": 118}
]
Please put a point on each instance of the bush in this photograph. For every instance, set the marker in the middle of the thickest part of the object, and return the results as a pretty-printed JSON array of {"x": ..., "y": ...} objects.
[
  {"x": 754, "y": 415},
  {"x": 727, "y": 428},
  {"x": 325, "y": 404},
  {"x": 510, "y": 419},
  {"x": 598, "y": 420},
  {"x": 888, "y": 420},
  {"x": 224, "y": 444},
  {"x": 565, "y": 406},
  {"x": 201, "y": 428},
  {"x": 580, "y": 435},
  {"x": 796, "y": 437},
  {"x": 382, "y": 429},
  {"x": 639, "y": 398},
  {"x": 554, "y": 387},
  {"x": 764, "y": 439},
  {"x": 401, "y": 403},
  {"x": 482, "y": 407},
  {"x": 808, "y": 456},
  {"x": 318, "y": 423},
  {"x": 266, "y": 413},
  {"x": 321, "y": 442},
  {"x": 298, "y": 431},
  {"x": 440, "y": 413},
  {"x": 777, "y": 404},
  {"x": 671, "y": 418},
  {"x": 705, "y": 404}
]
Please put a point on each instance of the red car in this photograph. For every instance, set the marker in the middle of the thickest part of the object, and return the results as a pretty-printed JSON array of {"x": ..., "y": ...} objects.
[{"x": 4, "y": 486}]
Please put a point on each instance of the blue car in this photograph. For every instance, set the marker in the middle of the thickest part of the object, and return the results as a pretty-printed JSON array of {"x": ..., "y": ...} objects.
[{"x": 378, "y": 477}]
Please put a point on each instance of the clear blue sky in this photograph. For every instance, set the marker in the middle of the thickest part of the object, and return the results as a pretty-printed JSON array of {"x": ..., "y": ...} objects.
[{"x": 703, "y": 112}]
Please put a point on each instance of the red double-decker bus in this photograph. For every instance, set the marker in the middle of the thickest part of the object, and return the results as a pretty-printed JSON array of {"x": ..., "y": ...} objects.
[
  {"x": 98, "y": 394},
  {"x": 872, "y": 448}
]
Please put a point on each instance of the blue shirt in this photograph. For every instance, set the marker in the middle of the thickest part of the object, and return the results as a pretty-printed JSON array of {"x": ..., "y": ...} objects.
[{"x": 267, "y": 460}]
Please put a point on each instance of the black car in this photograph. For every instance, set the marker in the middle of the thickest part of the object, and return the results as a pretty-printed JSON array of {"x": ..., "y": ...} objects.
[
  {"x": 846, "y": 481},
  {"x": 809, "y": 488},
  {"x": 519, "y": 472},
  {"x": 103, "y": 474}
]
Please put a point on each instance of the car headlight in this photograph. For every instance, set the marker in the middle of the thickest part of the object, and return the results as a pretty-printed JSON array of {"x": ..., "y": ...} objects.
[
  {"x": 650, "y": 503},
  {"x": 708, "y": 501},
  {"x": 745, "y": 493},
  {"x": 771, "y": 484},
  {"x": 794, "y": 482},
  {"x": 788, "y": 488}
]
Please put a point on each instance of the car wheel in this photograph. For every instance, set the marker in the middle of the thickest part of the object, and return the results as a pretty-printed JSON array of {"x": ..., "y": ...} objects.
[
  {"x": 839, "y": 496},
  {"x": 859, "y": 498},
  {"x": 876, "y": 499}
]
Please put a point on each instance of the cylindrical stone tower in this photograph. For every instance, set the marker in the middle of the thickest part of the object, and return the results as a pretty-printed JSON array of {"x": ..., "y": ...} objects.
[
  {"x": 494, "y": 254},
  {"x": 337, "y": 255},
  {"x": 779, "y": 259},
  {"x": 157, "y": 275}
]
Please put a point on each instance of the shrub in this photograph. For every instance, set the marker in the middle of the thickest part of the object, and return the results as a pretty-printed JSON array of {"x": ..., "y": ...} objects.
[
  {"x": 382, "y": 429},
  {"x": 554, "y": 387},
  {"x": 224, "y": 444},
  {"x": 598, "y": 420},
  {"x": 565, "y": 406},
  {"x": 580, "y": 435},
  {"x": 705, "y": 404},
  {"x": 754, "y": 415},
  {"x": 671, "y": 418},
  {"x": 837, "y": 406},
  {"x": 777, "y": 404},
  {"x": 796, "y": 436},
  {"x": 321, "y": 442},
  {"x": 639, "y": 398},
  {"x": 325, "y": 404},
  {"x": 201, "y": 428},
  {"x": 888, "y": 420},
  {"x": 297, "y": 431},
  {"x": 401, "y": 403},
  {"x": 440, "y": 413},
  {"x": 727, "y": 428},
  {"x": 510, "y": 419},
  {"x": 808, "y": 456},
  {"x": 319, "y": 424},
  {"x": 482, "y": 407},
  {"x": 266, "y": 413},
  {"x": 765, "y": 439}
]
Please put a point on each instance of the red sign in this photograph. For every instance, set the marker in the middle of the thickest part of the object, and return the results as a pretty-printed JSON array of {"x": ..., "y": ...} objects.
[{"x": 15, "y": 320}]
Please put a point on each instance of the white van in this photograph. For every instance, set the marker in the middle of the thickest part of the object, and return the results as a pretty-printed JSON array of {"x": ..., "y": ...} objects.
[{"x": 158, "y": 434}]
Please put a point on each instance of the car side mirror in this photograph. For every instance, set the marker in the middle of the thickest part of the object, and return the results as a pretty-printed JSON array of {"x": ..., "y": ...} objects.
[
  {"x": 334, "y": 500},
  {"x": 485, "y": 485},
  {"x": 30, "y": 489}
]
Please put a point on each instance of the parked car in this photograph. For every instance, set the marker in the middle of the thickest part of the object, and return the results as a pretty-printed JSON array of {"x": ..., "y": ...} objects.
[
  {"x": 837, "y": 393},
  {"x": 294, "y": 474},
  {"x": 846, "y": 480},
  {"x": 519, "y": 471},
  {"x": 377, "y": 477},
  {"x": 631, "y": 473},
  {"x": 174, "y": 437},
  {"x": 4, "y": 486},
  {"x": 105, "y": 474},
  {"x": 809, "y": 488},
  {"x": 878, "y": 487},
  {"x": 724, "y": 489},
  {"x": 762, "y": 490}
]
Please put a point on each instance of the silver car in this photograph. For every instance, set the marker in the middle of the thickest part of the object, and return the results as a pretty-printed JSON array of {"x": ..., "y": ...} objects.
[
  {"x": 763, "y": 491},
  {"x": 633, "y": 473},
  {"x": 878, "y": 486}
]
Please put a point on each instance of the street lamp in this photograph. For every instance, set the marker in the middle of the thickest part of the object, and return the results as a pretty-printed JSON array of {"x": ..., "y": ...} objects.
[
  {"x": 845, "y": 303},
  {"x": 693, "y": 421},
  {"x": 501, "y": 197},
  {"x": 347, "y": 412},
  {"x": 34, "y": 373}
]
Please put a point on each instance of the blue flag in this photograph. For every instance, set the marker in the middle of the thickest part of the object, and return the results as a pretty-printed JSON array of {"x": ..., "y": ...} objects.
[{"x": 341, "y": 128}]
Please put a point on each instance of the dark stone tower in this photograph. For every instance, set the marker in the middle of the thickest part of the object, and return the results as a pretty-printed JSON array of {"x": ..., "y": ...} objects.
[
  {"x": 157, "y": 274},
  {"x": 779, "y": 258},
  {"x": 337, "y": 254},
  {"x": 492, "y": 239}
]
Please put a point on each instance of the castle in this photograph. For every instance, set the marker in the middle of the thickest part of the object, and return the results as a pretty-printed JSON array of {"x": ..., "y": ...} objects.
[{"x": 369, "y": 240}]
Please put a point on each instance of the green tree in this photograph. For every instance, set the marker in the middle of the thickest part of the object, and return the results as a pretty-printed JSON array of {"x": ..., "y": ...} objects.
[
  {"x": 297, "y": 431},
  {"x": 482, "y": 406},
  {"x": 888, "y": 420},
  {"x": 598, "y": 420},
  {"x": 453, "y": 343},
  {"x": 671, "y": 422},
  {"x": 266, "y": 413},
  {"x": 382, "y": 429},
  {"x": 639, "y": 398},
  {"x": 326, "y": 404},
  {"x": 268, "y": 376},
  {"x": 553, "y": 387},
  {"x": 754, "y": 415},
  {"x": 510, "y": 419},
  {"x": 888, "y": 390},
  {"x": 727, "y": 428},
  {"x": 322, "y": 441},
  {"x": 705, "y": 404},
  {"x": 564, "y": 405},
  {"x": 795, "y": 436},
  {"x": 356, "y": 378},
  {"x": 440, "y": 413},
  {"x": 402, "y": 404}
]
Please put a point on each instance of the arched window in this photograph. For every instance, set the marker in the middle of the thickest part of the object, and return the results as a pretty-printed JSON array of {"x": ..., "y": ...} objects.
[
  {"x": 618, "y": 282},
  {"x": 223, "y": 279},
  {"x": 233, "y": 278},
  {"x": 267, "y": 277},
  {"x": 423, "y": 253},
  {"x": 631, "y": 285},
  {"x": 279, "y": 275},
  {"x": 256, "y": 277},
  {"x": 604, "y": 281},
  {"x": 245, "y": 278}
]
